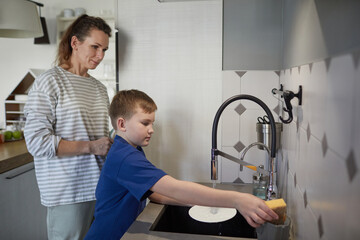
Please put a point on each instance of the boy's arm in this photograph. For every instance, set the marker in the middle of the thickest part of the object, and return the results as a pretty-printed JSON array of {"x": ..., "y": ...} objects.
[
  {"x": 254, "y": 210},
  {"x": 158, "y": 198}
]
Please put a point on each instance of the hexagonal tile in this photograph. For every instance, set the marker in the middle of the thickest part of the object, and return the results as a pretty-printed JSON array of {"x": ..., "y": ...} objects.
[
  {"x": 327, "y": 63},
  {"x": 240, "y": 73},
  {"x": 320, "y": 226},
  {"x": 310, "y": 66},
  {"x": 240, "y": 109},
  {"x": 305, "y": 199},
  {"x": 324, "y": 145},
  {"x": 277, "y": 110},
  {"x": 356, "y": 58},
  {"x": 297, "y": 124},
  {"x": 351, "y": 166},
  {"x": 239, "y": 146},
  {"x": 238, "y": 180},
  {"x": 308, "y": 132}
]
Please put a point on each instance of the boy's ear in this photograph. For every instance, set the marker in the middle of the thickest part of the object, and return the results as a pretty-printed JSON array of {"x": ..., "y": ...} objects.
[{"x": 120, "y": 123}]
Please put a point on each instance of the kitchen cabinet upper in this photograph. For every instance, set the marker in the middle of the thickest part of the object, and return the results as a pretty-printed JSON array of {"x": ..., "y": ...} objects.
[
  {"x": 277, "y": 35},
  {"x": 252, "y": 35}
]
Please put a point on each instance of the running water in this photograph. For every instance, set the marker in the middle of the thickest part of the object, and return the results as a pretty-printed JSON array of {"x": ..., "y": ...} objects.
[
  {"x": 214, "y": 210},
  {"x": 214, "y": 183}
]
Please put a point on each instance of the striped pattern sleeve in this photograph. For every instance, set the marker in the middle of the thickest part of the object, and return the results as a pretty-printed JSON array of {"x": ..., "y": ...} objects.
[{"x": 40, "y": 120}]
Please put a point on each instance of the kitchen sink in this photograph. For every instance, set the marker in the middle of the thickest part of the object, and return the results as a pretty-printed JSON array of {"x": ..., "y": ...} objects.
[{"x": 176, "y": 219}]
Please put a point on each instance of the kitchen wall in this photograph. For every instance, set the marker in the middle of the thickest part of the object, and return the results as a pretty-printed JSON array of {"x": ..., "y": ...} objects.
[
  {"x": 239, "y": 120},
  {"x": 172, "y": 51},
  {"x": 318, "y": 164},
  {"x": 20, "y": 55}
]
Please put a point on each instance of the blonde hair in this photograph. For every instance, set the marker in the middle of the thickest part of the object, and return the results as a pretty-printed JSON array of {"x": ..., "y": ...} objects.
[{"x": 125, "y": 102}]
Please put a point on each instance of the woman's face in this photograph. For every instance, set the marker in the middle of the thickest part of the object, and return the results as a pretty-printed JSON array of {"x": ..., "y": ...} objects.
[{"x": 89, "y": 53}]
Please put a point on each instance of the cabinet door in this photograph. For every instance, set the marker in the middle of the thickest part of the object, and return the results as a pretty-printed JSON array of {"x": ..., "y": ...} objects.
[
  {"x": 21, "y": 214},
  {"x": 252, "y": 35}
]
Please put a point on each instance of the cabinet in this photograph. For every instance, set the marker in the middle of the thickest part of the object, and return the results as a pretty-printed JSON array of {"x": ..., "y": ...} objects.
[
  {"x": 22, "y": 216},
  {"x": 14, "y": 103},
  {"x": 252, "y": 35}
]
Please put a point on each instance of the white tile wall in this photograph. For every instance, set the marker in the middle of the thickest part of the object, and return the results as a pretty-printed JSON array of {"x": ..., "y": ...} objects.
[
  {"x": 321, "y": 186},
  {"x": 315, "y": 99},
  {"x": 259, "y": 84},
  {"x": 230, "y": 127},
  {"x": 173, "y": 53},
  {"x": 340, "y": 104},
  {"x": 356, "y": 134},
  {"x": 242, "y": 128}
]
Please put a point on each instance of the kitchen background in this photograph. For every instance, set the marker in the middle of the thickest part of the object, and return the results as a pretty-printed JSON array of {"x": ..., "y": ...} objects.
[
  {"x": 19, "y": 55},
  {"x": 174, "y": 51}
]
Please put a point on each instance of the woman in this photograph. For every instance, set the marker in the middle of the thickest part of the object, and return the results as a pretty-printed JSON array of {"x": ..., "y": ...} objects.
[{"x": 67, "y": 127}]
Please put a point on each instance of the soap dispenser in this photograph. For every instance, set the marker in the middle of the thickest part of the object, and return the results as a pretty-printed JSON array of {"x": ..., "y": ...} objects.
[{"x": 259, "y": 184}]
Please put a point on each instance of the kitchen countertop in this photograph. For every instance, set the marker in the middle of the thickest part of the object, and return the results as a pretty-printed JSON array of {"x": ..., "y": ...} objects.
[
  {"x": 13, "y": 154},
  {"x": 139, "y": 230}
]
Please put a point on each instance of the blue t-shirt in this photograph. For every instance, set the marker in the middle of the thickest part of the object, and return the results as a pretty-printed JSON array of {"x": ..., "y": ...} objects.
[{"x": 122, "y": 190}]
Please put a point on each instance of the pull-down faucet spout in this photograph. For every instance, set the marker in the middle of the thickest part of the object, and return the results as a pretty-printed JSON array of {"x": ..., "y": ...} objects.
[{"x": 215, "y": 152}]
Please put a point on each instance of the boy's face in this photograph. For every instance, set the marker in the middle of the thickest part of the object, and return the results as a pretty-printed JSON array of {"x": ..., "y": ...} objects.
[{"x": 138, "y": 129}]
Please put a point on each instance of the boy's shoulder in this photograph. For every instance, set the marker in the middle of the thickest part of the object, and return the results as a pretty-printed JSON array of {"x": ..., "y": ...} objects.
[
  {"x": 122, "y": 154},
  {"x": 122, "y": 149}
]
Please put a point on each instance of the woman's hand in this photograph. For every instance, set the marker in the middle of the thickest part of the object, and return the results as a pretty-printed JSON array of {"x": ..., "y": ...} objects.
[
  {"x": 72, "y": 148},
  {"x": 254, "y": 210},
  {"x": 101, "y": 146}
]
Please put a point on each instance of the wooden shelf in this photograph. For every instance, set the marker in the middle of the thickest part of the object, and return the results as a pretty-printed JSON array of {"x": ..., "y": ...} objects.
[
  {"x": 14, "y": 112},
  {"x": 14, "y": 108},
  {"x": 14, "y": 121},
  {"x": 14, "y": 102}
]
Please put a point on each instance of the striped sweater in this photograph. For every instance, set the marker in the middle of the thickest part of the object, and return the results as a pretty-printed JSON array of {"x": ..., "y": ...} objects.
[{"x": 62, "y": 105}]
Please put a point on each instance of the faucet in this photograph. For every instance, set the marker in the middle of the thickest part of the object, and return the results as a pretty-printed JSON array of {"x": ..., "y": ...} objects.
[
  {"x": 271, "y": 188},
  {"x": 271, "y": 193}
]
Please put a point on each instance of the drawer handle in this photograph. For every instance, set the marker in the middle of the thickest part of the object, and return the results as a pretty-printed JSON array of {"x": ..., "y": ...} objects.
[{"x": 18, "y": 174}]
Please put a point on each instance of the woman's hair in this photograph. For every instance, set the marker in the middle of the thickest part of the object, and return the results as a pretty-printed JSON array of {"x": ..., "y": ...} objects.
[
  {"x": 80, "y": 28},
  {"x": 125, "y": 102}
]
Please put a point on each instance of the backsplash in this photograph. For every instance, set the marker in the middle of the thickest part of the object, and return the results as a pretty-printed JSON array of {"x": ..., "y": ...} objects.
[{"x": 318, "y": 164}]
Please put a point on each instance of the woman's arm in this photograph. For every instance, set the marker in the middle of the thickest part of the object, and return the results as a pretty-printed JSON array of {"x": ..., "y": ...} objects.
[
  {"x": 254, "y": 210},
  {"x": 71, "y": 148},
  {"x": 40, "y": 111}
]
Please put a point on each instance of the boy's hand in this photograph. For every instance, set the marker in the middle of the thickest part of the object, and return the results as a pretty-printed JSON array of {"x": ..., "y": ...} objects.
[
  {"x": 254, "y": 210},
  {"x": 101, "y": 146}
]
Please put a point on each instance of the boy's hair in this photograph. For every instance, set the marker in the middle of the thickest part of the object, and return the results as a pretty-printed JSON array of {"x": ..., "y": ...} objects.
[{"x": 125, "y": 102}]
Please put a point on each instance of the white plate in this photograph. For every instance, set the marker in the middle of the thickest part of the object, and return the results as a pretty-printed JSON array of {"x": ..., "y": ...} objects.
[{"x": 211, "y": 214}]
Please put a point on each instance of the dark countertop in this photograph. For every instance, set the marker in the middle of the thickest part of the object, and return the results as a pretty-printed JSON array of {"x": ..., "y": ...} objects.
[
  {"x": 139, "y": 230},
  {"x": 13, "y": 154}
]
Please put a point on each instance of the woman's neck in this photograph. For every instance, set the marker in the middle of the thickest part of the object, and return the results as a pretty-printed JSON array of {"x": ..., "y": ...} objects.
[{"x": 75, "y": 69}]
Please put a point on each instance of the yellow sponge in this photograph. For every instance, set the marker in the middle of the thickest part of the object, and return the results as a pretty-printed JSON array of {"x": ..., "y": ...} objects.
[{"x": 278, "y": 206}]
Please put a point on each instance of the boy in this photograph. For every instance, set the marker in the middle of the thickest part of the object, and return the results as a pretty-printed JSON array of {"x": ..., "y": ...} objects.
[{"x": 128, "y": 178}]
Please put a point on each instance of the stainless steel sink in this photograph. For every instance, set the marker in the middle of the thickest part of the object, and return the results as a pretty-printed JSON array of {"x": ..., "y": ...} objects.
[{"x": 177, "y": 220}]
